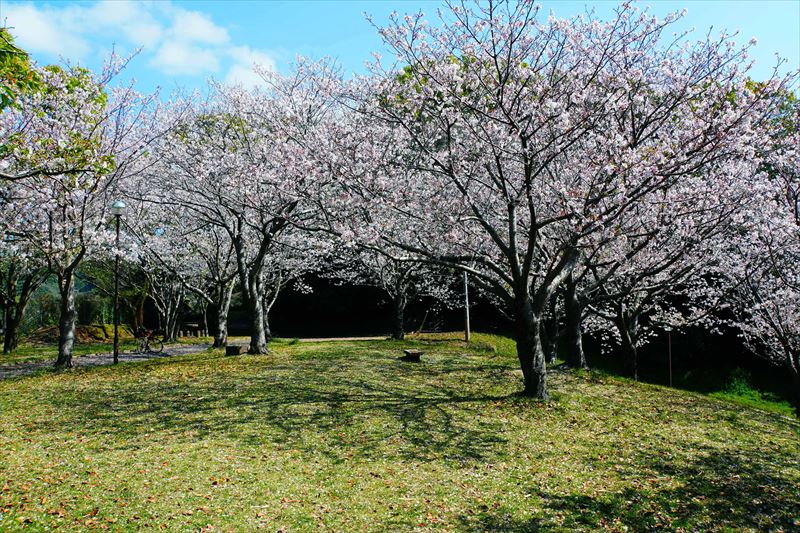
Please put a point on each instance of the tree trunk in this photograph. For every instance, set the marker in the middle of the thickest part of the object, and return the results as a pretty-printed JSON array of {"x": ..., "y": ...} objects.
[
  {"x": 628, "y": 326},
  {"x": 16, "y": 305},
  {"x": 9, "y": 328},
  {"x": 221, "y": 316},
  {"x": 8, "y": 298},
  {"x": 11, "y": 339},
  {"x": 529, "y": 349},
  {"x": 267, "y": 328},
  {"x": 549, "y": 333},
  {"x": 66, "y": 320},
  {"x": 398, "y": 318},
  {"x": 139, "y": 312},
  {"x": 575, "y": 356},
  {"x": 171, "y": 324},
  {"x": 258, "y": 335}
]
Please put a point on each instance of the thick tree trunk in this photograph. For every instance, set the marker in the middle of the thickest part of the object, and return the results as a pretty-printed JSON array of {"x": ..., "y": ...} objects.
[
  {"x": 398, "y": 318},
  {"x": 529, "y": 349},
  {"x": 11, "y": 337},
  {"x": 258, "y": 336},
  {"x": 630, "y": 358},
  {"x": 221, "y": 316},
  {"x": 628, "y": 326},
  {"x": 575, "y": 356},
  {"x": 66, "y": 320}
]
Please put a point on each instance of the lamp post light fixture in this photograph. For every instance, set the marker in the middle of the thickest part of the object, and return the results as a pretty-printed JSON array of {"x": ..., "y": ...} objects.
[{"x": 117, "y": 209}]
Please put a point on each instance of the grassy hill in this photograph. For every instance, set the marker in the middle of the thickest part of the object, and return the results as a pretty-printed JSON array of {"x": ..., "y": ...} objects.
[{"x": 344, "y": 436}]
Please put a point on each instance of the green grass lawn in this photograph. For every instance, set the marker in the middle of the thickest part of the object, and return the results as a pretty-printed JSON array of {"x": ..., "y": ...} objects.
[{"x": 344, "y": 436}]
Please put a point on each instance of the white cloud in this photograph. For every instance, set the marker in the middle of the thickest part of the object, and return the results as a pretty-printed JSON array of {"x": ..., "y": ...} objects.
[
  {"x": 175, "y": 41},
  {"x": 245, "y": 59},
  {"x": 131, "y": 18},
  {"x": 192, "y": 26},
  {"x": 39, "y": 31},
  {"x": 179, "y": 58},
  {"x": 243, "y": 75}
]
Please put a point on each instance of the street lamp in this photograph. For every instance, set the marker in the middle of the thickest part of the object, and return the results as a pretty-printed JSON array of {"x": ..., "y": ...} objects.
[
  {"x": 117, "y": 209},
  {"x": 466, "y": 308},
  {"x": 668, "y": 329}
]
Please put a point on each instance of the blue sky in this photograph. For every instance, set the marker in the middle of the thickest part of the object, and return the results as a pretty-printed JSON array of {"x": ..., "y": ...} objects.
[{"x": 185, "y": 43}]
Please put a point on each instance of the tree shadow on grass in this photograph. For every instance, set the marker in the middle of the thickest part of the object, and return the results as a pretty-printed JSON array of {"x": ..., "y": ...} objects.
[
  {"x": 716, "y": 490},
  {"x": 338, "y": 407}
]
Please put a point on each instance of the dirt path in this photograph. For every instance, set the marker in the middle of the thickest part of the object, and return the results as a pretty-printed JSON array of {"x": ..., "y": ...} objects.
[{"x": 23, "y": 369}]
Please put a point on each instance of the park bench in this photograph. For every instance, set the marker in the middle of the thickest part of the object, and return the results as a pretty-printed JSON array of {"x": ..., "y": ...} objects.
[
  {"x": 412, "y": 355},
  {"x": 235, "y": 349}
]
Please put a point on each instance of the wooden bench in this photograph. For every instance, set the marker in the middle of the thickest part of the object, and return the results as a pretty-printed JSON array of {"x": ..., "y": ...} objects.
[
  {"x": 412, "y": 355},
  {"x": 235, "y": 350}
]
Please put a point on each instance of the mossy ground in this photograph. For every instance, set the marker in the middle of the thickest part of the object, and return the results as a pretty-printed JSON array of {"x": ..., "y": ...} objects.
[{"x": 345, "y": 436}]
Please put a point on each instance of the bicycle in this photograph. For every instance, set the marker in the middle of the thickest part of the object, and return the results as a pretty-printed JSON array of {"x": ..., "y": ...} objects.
[{"x": 149, "y": 343}]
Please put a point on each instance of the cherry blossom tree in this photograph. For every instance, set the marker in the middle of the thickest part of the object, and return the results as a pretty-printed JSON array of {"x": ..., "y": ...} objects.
[
  {"x": 66, "y": 147},
  {"x": 180, "y": 256},
  {"x": 764, "y": 267},
  {"x": 660, "y": 270},
  {"x": 237, "y": 164},
  {"x": 516, "y": 141}
]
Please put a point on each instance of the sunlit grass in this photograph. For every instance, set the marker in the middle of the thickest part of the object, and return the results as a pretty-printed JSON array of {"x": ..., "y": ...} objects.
[{"x": 345, "y": 436}]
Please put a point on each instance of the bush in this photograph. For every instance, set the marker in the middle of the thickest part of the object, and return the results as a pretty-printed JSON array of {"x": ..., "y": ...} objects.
[{"x": 740, "y": 383}]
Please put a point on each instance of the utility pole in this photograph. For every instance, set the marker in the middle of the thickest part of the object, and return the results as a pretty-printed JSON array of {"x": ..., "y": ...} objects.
[
  {"x": 466, "y": 308},
  {"x": 669, "y": 351}
]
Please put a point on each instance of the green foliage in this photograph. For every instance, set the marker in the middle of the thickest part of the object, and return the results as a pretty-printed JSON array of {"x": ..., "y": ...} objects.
[
  {"x": 16, "y": 73},
  {"x": 740, "y": 388},
  {"x": 43, "y": 310},
  {"x": 739, "y": 383},
  {"x": 208, "y": 123},
  {"x": 345, "y": 436}
]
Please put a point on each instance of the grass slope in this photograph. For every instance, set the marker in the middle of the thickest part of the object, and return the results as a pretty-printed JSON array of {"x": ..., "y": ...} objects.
[{"x": 344, "y": 436}]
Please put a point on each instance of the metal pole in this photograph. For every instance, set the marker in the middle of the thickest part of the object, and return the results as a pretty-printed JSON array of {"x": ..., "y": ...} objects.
[
  {"x": 466, "y": 308},
  {"x": 116, "y": 297},
  {"x": 669, "y": 350}
]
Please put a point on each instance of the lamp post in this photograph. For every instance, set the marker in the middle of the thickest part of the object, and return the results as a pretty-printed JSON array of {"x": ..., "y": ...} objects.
[
  {"x": 117, "y": 208},
  {"x": 466, "y": 308}
]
